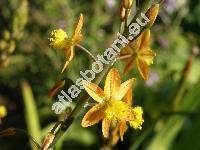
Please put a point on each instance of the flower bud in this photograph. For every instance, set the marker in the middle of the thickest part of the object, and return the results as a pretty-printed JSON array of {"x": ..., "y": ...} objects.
[
  {"x": 127, "y": 3},
  {"x": 152, "y": 14},
  {"x": 122, "y": 14}
]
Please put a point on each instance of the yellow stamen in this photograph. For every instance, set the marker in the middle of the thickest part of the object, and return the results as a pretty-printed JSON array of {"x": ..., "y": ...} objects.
[
  {"x": 58, "y": 39},
  {"x": 138, "y": 121}
]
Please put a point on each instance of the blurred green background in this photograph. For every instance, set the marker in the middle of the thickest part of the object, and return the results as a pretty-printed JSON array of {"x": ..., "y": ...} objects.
[{"x": 29, "y": 67}]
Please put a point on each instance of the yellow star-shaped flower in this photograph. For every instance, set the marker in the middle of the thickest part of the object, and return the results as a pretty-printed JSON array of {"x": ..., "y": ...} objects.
[
  {"x": 110, "y": 107},
  {"x": 141, "y": 54},
  {"x": 60, "y": 40}
]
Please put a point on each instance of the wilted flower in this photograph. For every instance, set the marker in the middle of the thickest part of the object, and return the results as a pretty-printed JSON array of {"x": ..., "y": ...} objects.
[
  {"x": 111, "y": 108},
  {"x": 141, "y": 54},
  {"x": 60, "y": 40}
]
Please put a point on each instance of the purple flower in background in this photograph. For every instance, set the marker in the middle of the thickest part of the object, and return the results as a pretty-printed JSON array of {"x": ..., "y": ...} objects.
[
  {"x": 170, "y": 6},
  {"x": 153, "y": 79},
  {"x": 173, "y": 5},
  {"x": 62, "y": 24},
  {"x": 110, "y": 3}
]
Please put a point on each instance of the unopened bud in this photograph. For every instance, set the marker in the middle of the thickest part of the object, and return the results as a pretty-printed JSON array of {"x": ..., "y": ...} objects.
[
  {"x": 127, "y": 3},
  {"x": 122, "y": 14},
  {"x": 152, "y": 14}
]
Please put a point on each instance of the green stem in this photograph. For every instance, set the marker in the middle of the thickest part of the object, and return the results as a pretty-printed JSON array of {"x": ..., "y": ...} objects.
[
  {"x": 122, "y": 25},
  {"x": 86, "y": 51}
]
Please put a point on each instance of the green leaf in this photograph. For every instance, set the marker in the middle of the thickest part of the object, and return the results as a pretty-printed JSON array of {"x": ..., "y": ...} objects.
[
  {"x": 193, "y": 135},
  {"x": 31, "y": 113},
  {"x": 164, "y": 138}
]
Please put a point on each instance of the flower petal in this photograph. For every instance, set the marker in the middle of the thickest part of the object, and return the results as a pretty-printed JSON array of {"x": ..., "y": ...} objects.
[
  {"x": 122, "y": 129},
  {"x": 128, "y": 97},
  {"x": 93, "y": 116},
  {"x": 115, "y": 136},
  {"x": 77, "y": 36},
  {"x": 69, "y": 54},
  {"x": 128, "y": 67},
  {"x": 145, "y": 39},
  {"x": 143, "y": 68},
  {"x": 135, "y": 45},
  {"x": 105, "y": 127},
  {"x": 126, "y": 50},
  {"x": 94, "y": 91},
  {"x": 147, "y": 53},
  {"x": 148, "y": 56},
  {"x": 112, "y": 83},
  {"x": 124, "y": 88}
]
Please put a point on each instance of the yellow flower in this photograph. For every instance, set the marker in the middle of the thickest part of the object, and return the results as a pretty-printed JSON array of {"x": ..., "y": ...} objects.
[
  {"x": 136, "y": 123},
  {"x": 60, "y": 40},
  {"x": 141, "y": 54},
  {"x": 3, "y": 111},
  {"x": 110, "y": 107}
]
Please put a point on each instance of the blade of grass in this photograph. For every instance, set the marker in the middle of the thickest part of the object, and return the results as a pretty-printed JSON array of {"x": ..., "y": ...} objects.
[{"x": 30, "y": 111}]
